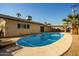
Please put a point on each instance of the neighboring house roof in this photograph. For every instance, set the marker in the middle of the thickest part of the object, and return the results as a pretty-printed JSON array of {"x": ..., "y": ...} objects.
[
  {"x": 57, "y": 26},
  {"x": 18, "y": 19}
]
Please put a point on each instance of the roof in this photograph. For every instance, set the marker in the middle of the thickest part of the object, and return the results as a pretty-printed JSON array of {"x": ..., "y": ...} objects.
[
  {"x": 57, "y": 26},
  {"x": 18, "y": 19}
]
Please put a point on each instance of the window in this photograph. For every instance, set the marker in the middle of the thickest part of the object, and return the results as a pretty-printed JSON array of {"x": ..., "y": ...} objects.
[
  {"x": 18, "y": 25},
  {"x": 28, "y": 26},
  {"x": 24, "y": 26}
]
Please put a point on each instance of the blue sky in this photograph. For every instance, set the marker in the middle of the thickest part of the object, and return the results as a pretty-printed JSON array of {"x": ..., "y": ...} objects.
[{"x": 46, "y": 12}]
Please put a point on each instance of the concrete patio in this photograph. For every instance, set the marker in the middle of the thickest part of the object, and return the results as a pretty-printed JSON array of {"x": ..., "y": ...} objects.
[
  {"x": 54, "y": 49},
  {"x": 67, "y": 49},
  {"x": 74, "y": 49}
]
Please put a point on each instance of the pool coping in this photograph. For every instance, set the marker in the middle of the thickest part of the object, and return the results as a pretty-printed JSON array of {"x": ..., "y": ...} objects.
[{"x": 54, "y": 49}]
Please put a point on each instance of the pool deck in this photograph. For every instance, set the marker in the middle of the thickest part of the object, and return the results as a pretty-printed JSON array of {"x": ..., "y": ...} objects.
[
  {"x": 74, "y": 49},
  {"x": 54, "y": 49},
  {"x": 65, "y": 47}
]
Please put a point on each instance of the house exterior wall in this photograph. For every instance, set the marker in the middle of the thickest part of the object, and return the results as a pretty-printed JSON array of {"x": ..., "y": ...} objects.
[
  {"x": 35, "y": 28},
  {"x": 12, "y": 30},
  {"x": 47, "y": 28}
]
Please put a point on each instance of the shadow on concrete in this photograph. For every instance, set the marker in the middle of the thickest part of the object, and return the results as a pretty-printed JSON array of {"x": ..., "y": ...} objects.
[{"x": 7, "y": 50}]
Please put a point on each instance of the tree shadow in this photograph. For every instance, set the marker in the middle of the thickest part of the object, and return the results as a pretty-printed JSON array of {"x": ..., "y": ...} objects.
[{"x": 8, "y": 50}]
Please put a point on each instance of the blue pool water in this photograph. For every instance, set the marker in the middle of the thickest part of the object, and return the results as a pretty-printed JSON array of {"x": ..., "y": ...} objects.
[{"x": 39, "y": 39}]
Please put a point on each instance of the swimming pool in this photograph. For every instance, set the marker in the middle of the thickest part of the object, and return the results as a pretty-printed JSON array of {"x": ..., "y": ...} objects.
[{"x": 39, "y": 39}]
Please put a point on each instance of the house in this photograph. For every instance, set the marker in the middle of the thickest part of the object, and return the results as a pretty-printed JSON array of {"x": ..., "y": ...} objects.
[
  {"x": 58, "y": 28},
  {"x": 14, "y": 26}
]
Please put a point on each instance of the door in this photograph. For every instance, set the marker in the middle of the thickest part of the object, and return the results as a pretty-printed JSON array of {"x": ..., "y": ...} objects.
[{"x": 41, "y": 29}]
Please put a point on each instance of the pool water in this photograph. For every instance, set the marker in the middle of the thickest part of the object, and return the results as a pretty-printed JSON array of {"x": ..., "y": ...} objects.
[{"x": 39, "y": 39}]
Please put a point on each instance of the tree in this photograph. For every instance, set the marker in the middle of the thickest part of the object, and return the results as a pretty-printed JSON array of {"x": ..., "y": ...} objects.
[
  {"x": 45, "y": 23},
  {"x": 74, "y": 20},
  {"x": 66, "y": 23},
  {"x": 18, "y": 14}
]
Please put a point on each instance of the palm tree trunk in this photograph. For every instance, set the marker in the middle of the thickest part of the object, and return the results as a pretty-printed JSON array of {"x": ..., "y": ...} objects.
[{"x": 74, "y": 29}]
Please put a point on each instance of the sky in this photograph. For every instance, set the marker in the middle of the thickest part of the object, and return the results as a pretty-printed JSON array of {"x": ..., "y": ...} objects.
[{"x": 41, "y": 12}]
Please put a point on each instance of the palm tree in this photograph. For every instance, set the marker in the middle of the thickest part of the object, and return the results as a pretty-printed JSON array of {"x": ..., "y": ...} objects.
[
  {"x": 18, "y": 14},
  {"x": 29, "y": 18},
  {"x": 66, "y": 23},
  {"x": 45, "y": 23},
  {"x": 2, "y": 27},
  {"x": 49, "y": 24},
  {"x": 74, "y": 20}
]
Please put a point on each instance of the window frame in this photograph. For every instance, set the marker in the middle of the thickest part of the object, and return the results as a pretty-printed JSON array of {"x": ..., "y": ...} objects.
[{"x": 28, "y": 26}]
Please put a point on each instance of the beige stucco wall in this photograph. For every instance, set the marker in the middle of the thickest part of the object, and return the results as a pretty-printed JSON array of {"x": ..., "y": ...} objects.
[
  {"x": 35, "y": 28},
  {"x": 12, "y": 30},
  {"x": 47, "y": 28}
]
